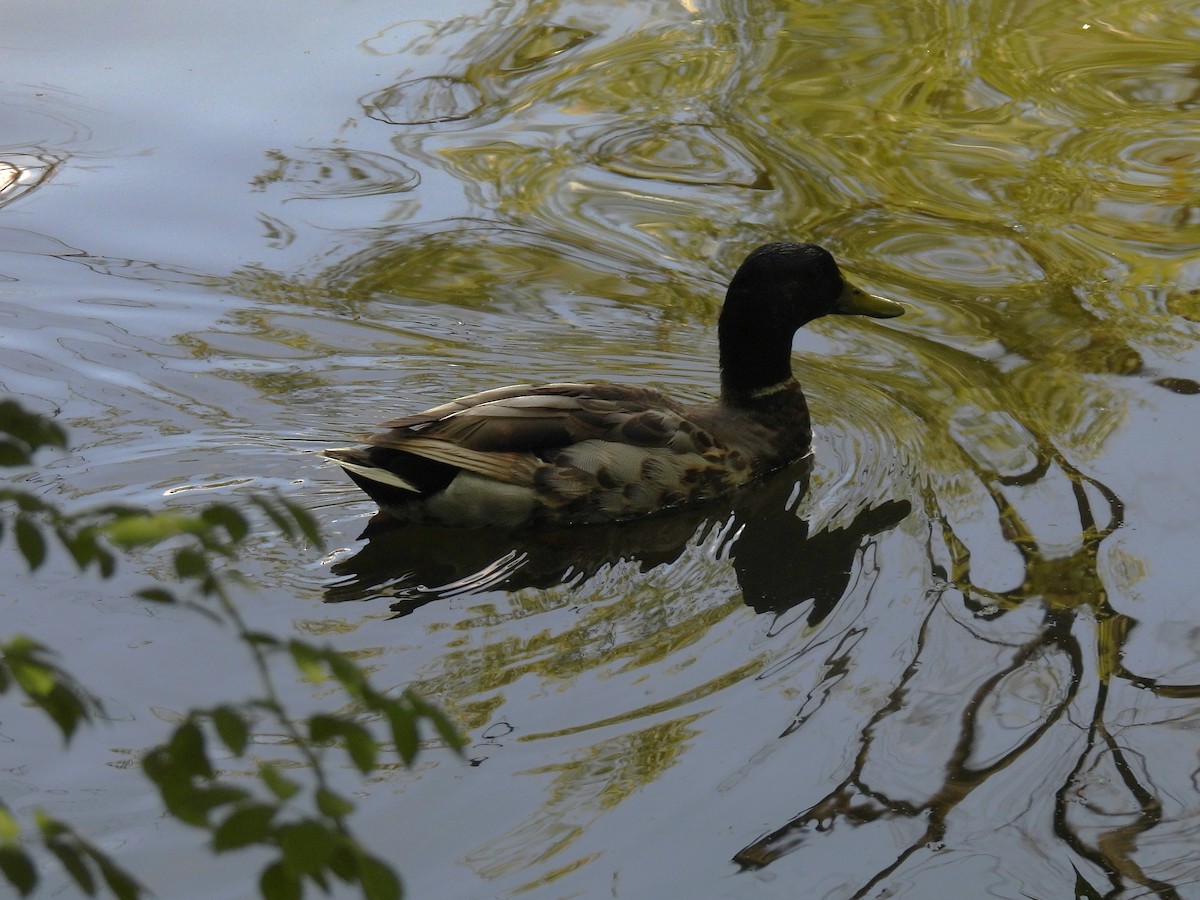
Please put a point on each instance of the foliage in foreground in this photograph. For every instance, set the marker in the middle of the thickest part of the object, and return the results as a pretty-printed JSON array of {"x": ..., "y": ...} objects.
[{"x": 296, "y": 813}]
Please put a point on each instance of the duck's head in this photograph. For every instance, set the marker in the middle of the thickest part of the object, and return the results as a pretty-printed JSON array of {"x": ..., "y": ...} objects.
[{"x": 778, "y": 288}]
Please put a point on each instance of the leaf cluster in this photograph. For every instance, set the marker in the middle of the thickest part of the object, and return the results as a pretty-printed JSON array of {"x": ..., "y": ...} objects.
[{"x": 297, "y": 815}]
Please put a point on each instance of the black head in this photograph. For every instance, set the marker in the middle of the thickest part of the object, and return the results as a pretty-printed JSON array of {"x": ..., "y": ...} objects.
[{"x": 778, "y": 288}]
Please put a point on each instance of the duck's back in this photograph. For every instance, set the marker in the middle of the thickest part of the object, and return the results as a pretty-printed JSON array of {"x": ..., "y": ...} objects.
[{"x": 571, "y": 453}]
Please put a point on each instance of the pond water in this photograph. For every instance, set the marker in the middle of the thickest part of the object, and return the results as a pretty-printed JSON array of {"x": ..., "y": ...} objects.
[{"x": 960, "y": 649}]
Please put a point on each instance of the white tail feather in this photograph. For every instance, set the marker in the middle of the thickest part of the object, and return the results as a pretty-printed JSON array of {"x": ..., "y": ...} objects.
[{"x": 374, "y": 473}]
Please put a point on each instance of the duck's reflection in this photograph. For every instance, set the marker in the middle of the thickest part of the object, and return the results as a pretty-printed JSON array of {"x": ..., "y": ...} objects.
[{"x": 778, "y": 564}]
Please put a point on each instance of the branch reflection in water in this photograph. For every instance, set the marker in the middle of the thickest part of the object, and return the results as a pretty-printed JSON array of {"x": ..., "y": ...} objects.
[
  {"x": 910, "y": 774},
  {"x": 778, "y": 564}
]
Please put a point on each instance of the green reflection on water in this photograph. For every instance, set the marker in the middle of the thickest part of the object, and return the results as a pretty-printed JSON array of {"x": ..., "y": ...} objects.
[{"x": 1024, "y": 175}]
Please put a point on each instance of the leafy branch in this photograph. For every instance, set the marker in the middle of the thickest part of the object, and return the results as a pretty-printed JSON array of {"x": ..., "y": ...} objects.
[{"x": 304, "y": 821}]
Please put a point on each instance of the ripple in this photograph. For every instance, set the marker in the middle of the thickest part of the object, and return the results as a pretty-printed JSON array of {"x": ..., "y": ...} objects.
[
  {"x": 338, "y": 172},
  {"x": 540, "y": 43},
  {"x": 1142, "y": 181},
  {"x": 1159, "y": 158},
  {"x": 684, "y": 154},
  {"x": 1162, "y": 156},
  {"x": 425, "y": 101},
  {"x": 980, "y": 260}
]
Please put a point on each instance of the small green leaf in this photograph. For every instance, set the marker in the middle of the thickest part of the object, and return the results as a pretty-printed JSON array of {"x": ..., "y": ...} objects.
[
  {"x": 306, "y": 845},
  {"x": 378, "y": 880},
  {"x": 231, "y": 728},
  {"x": 282, "y": 522},
  {"x": 10, "y": 829},
  {"x": 345, "y": 671},
  {"x": 277, "y": 883},
  {"x": 283, "y": 788},
  {"x": 361, "y": 746},
  {"x": 156, "y": 595},
  {"x": 73, "y": 861},
  {"x": 323, "y": 727},
  {"x": 139, "y": 529},
  {"x": 333, "y": 805},
  {"x": 440, "y": 721},
  {"x": 14, "y": 453},
  {"x": 305, "y": 521},
  {"x": 228, "y": 518},
  {"x": 244, "y": 826},
  {"x": 18, "y": 869},
  {"x": 120, "y": 882},
  {"x": 190, "y": 563},
  {"x": 187, "y": 750},
  {"x": 81, "y": 545},
  {"x": 404, "y": 734},
  {"x": 308, "y": 660},
  {"x": 343, "y": 859},
  {"x": 28, "y": 427},
  {"x": 34, "y": 678},
  {"x": 30, "y": 542}
]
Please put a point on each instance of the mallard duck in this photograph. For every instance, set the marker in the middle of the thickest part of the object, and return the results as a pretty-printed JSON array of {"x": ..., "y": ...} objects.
[{"x": 572, "y": 453}]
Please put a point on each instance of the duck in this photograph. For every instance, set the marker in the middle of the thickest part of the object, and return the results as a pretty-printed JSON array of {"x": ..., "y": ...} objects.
[{"x": 580, "y": 453}]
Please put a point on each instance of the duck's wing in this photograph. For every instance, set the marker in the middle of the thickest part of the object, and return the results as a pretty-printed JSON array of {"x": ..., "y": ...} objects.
[{"x": 507, "y": 433}]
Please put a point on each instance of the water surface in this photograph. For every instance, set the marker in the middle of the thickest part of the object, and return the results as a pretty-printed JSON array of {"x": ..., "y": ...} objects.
[{"x": 958, "y": 648}]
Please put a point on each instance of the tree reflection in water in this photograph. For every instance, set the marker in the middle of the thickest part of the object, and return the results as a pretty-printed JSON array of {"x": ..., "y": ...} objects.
[{"x": 1069, "y": 595}]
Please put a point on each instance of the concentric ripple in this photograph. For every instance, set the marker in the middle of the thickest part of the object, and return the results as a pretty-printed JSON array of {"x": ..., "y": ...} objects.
[{"x": 685, "y": 154}]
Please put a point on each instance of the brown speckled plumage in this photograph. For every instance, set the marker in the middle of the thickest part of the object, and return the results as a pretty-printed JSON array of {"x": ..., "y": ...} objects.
[{"x": 581, "y": 453}]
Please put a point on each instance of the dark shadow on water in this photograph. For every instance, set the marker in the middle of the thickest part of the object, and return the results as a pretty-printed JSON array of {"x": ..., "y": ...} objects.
[{"x": 778, "y": 564}]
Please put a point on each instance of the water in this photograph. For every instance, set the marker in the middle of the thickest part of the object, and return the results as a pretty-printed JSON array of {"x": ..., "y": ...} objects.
[{"x": 964, "y": 654}]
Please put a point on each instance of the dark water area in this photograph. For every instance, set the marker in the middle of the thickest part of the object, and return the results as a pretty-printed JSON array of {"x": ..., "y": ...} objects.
[{"x": 956, "y": 647}]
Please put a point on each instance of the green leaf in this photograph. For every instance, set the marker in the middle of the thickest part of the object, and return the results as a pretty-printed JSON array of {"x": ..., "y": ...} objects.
[
  {"x": 187, "y": 751},
  {"x": 30, "y": 542},
  {"x": 120, "y": 882},
  {"x": 55, "y": 692},
  {"x": 260, "y": 639},
  {"x": 333, "y": 805},
  {"x": 378, "y": 880},
  {"x": 10, "y": 829},
  {"x": 404, "y": 734},
  {"x": 343, "y": 859},
  {"x": 246, "y": 825},
  {"x": 35, "y": 679},
  {"x": 228, "y": 518},
  {"x": 283, "y": 788},
  {"x": 308, "y": 660},
  {"x": 29, "y": 428},
  {"x": 18, "y": 869},
  {"x": 156, "y": 595},
  {"x": 282, "y": 522},
  {"x": 361, "y": 746},
  {"x": 277, "y": 883},
  {"x": 306, "y": 845},
  {"x": 323, "y": 727},
  {"x": 231, "y": 728},
  {"x": 347, "y": 672},
  {"x": 73, "y": 861},
  {"x": 140, "y": 529},
  {"x": 440, "y": 721},
  {"x": 304, "y": 520},
  {"x": 14, "y": 453},
  {"x": 190, "y": 563}
]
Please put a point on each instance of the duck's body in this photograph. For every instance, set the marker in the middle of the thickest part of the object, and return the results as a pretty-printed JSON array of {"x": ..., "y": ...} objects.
[{"x": 586, "y": 453}]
